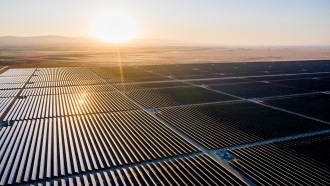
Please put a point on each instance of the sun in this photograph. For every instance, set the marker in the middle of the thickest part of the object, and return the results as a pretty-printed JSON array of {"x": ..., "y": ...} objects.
[{"x": 115, "y": 27}]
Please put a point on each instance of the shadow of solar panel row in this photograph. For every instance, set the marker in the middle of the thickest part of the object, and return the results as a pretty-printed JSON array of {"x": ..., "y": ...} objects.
[
  {"x": 8, "y": 93},
  {"x": 314, "y": 105},
  {"x": 197, "y": 170},
  {"x": 18, "y": 72},
  {"x": 274, "y": 164},
  {"x": 149, "y": 85},
  {"x": 64, "y": 77},
  {"x": 15, "y": 79},
  {"x": 308, "y": 84},
  {"x": 61, "y": 71},
  {"x": 47, "y": 148},
  {"x": 66, "y": 90},
  {"x": 230, "y": 124},
  {"x": 176, "y": 96},
  {"x": 45, "y": 106},
  {"x": 256, "y": 90},
  {"x": 315, "y": 147}
]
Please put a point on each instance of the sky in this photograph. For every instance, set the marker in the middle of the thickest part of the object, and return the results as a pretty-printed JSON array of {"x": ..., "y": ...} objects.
[{"x": 222, "y": 22}]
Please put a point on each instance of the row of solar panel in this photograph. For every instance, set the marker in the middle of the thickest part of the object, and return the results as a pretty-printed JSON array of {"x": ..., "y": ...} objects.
[
  {"x": 57, "y": 90},
  {"x": 4, "y": 102},
  {"x": 176, "y": 96},
  {"x": 149, "y": 96},
  {"x": 292, "y": 80},
  {"x": 45, "y": 106},
  {"x": 127, "y": 74},
  {"x": 11, "y": 86},
  {"x": 13, "y": 79},
  {"x": 312, "y": 105},
  {"x": 64, "y": 83},
  {"x": 64, "y": 77},
  {"x": 61, "y": 71},
  {"x": 16, "y": 78},
  {"x": 250, "y": 67},
  {"x": 197, "y": 170},
  {"x": 44, "y": 148},
  {"x": 18, "y": 72},
  {"x": 66, "y": 90},
  {"x": 281, "y": 164},
  {"x": 8, "y": 93},
  {"x": 224, "y": 125},
  {"x": 150, "y": 85},
  {"x": 173, "y": 96}
]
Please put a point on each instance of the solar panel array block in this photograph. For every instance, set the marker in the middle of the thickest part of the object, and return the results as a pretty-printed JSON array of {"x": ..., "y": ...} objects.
[
  {"x": 313, "y": 105},
  {"x": 257, "y": 90},
  {"x": 183, "y": 124},
  {"x": 176, "y": 96},
  {"x": 314, "y": 147},
  {"x": 44, "y": 148},
  {"x": 149, "y": 85},
  {"x": 308, "y": 84},
  {"x": 197, "y": 170},
  {"x": 18, "y": 72},
  {"x": 223, "y": 125},
  {"x": 274, "y": 164},
  {"x": 66, "y": 90},
  {"x": 8, "y": 93},
  {"x": 4, "y": 103},
  {"x": 45, "y": 106}
]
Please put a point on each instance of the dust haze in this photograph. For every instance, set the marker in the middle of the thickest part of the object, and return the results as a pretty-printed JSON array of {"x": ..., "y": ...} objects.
[{"x": 91, "y": 55}]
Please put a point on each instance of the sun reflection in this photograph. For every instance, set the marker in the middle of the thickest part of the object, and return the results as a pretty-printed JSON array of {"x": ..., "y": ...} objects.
[
  {"x": 120, "y": 68},
  {"x": 82, "y": 99}
]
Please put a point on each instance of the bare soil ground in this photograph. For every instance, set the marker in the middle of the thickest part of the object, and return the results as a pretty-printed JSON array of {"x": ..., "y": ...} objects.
[{"x": 54, "y": 56}]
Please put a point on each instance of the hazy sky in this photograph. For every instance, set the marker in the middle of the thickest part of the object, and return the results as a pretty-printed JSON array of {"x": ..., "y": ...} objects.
[{"x": 224, "y": 22}]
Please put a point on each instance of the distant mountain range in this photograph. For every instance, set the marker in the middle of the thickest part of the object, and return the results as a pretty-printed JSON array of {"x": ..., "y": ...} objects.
[{"x": 57, "y": 40}]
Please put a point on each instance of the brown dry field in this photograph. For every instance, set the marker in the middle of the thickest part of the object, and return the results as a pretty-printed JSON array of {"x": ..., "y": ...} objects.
[{"x": 89, "y": 56}]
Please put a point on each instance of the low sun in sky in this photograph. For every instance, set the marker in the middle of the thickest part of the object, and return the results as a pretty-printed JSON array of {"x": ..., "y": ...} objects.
[{"x": 115, "y": 27}]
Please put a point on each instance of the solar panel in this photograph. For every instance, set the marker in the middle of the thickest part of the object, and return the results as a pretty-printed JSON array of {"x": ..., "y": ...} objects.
[
  {"x": 176, "y": 96},
  {"x": 313, "y": 105},
  {"x": 184, "y": 124},
  {"x": 256, "y": 90},
  {"x": 279, "y": 164},
  {"x": 230, "y": 124},
  {"x": 44, "y": 148}
]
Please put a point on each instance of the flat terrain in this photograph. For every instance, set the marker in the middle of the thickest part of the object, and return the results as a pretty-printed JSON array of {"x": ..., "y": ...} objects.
[
  {"x": 90, "y": 55},
  {"x": 203, "y": 123}
]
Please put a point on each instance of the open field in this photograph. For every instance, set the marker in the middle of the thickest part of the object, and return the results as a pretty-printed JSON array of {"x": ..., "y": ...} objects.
[
  {"x": 85, "y": 55},
  {"x": 196, "y": 124}
]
